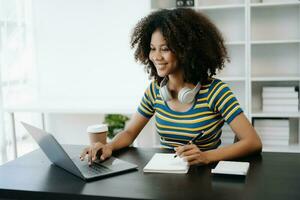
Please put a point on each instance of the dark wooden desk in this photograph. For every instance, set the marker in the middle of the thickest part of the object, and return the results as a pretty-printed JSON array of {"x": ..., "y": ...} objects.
[{"x": 271, "y": 176}]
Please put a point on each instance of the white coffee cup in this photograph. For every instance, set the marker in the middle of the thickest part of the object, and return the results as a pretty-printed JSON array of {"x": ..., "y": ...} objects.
[{"x": 97, "y": 133}]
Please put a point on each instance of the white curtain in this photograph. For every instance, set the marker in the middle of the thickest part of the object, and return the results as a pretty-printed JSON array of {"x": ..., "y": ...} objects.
[{"x": 17, "y": 69}]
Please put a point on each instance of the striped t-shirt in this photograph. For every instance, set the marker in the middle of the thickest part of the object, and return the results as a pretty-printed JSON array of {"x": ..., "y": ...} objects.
[{"x": 214, "y": 104}]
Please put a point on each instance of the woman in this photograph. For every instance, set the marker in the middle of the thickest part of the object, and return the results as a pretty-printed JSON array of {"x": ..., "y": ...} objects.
[{"x": 182, "y": 50}]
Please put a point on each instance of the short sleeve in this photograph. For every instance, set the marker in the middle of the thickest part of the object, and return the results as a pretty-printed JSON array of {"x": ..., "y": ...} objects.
[
  {"x": 146, "y": 107},
  {"x": 221, "y": 99}
]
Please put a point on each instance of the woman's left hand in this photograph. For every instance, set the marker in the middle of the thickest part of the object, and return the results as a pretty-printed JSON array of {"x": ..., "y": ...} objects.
[{"x": 192, "y": 154}]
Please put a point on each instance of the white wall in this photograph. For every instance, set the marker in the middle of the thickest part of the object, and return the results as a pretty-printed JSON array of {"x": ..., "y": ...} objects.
[
  {"x": 84, "y": 61},
  {"x": 83, "y": 53},
  {"x": 2, "y": 133},
  {"x": 71, "y": 129}
]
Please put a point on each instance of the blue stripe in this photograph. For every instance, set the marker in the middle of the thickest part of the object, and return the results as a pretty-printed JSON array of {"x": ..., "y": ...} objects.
[
  {"x": 234, "y": 115},
  {"x": 226, "y": 105},
  {"x": 144, "y": 114},
  {"x": 184, "y": 125},
  {"x": 179, "y": 138}
]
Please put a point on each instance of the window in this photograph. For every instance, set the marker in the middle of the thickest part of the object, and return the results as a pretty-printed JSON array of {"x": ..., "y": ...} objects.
[{"x": 17, "y": 68}]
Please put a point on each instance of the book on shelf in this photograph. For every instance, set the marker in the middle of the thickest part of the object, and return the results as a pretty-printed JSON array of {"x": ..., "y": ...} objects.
[
  {"x": 273, "y": 131},
  {"x": 279, "y": 89},
  {"x": 268, "y": 133},
  {"x": 215, "y": 3},
  {"x": 281, "y": 95},
  {"x": 273, "y": 136},
  {"x": 280, "y": 101},
  {"x": 279, "y": 1},
  {"x": 281, "y": 108},
  {"x": 271, "y": 139},
  {"x": 271, "y": 123},
  {"x": 275, "y": 142}
]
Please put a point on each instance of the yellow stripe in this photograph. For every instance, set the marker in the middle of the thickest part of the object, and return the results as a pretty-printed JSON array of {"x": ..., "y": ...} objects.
[
  {"x": 171, "y": 144},
  {"x": 185, "y": 140},
  {"x": 230, "y": 114},
  {"x": 209, "y": 144},
  {"x": 203, "y": 91},
  {"x": 229, "y": 107},
  {"x": 225, "y": 101},
  {"x": 212, "y": 91},
  {"x": 222, "y": 97},
  {"x": 145, "y": 99},
  {"x": 202, "y": 105},
  {"x": 211, "y": 129},
  {"x": 212, "y": 136},
  {"x": 149, "y": 109},
  {"x": 185, "y": 129},
  {"x": 175, "y": 133},
  {"x": 145, "y": 111},
  {"x": 149, "y": 94},
  {"x": 160, "y": 102},
  {"x": 177, "y": 139},
  {"x": 202, "y": 99},
  {"x": 185, "y": 116},
  {"x": 217, "y": 92},
  {"x": 182, "y": 121},
  {"x": 153, "y": 90}
]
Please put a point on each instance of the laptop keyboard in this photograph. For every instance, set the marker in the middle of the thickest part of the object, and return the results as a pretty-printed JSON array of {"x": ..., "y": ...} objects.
[{"x": 95, "y": 169}]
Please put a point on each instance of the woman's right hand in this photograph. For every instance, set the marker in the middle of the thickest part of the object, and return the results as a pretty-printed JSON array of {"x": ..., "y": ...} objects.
[{"x": 104, "y": 150}]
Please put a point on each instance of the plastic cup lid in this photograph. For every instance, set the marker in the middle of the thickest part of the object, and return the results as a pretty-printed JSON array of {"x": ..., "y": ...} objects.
[{"x": 97, "y": 128}]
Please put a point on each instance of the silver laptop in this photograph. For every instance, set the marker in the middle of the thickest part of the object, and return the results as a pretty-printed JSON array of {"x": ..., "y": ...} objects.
[{"x": 58, "y": 156}]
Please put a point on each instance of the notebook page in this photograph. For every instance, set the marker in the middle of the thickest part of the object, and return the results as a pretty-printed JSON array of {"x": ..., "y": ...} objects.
[{"x": 165, "y": 162}]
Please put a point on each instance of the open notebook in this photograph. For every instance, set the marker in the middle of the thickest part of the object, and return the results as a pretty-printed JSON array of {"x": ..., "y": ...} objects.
[{"x": 166, "y": 163}]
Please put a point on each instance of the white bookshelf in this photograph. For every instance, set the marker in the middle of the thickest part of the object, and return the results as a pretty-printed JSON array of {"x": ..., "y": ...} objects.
[
  {"x": 217, "y": 7},
  {"x": 263, "y": 40}
]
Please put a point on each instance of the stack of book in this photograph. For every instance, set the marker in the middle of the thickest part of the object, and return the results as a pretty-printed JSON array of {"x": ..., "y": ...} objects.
[
  {"x": 273, "y": 131},
  {"x": 280, "y": 99}
]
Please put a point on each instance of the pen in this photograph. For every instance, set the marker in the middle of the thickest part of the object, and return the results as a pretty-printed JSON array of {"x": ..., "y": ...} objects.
[{"x": 193, "y": 140}]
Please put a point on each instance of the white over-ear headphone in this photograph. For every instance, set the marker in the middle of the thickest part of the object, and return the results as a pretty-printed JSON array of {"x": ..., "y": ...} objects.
[{"x": 185, "y": 95}]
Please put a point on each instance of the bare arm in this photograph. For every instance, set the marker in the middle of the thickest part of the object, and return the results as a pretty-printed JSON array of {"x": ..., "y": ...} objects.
[
  {"x": 249, "y": 142},
  {"x": 126, "y": 137},
  {"x": 121, "y": 140}
]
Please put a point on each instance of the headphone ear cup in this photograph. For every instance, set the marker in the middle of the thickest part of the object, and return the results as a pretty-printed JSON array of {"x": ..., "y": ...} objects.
[
  {"x": 164, "y": 93},
  {"x": 186, "y": 95}
]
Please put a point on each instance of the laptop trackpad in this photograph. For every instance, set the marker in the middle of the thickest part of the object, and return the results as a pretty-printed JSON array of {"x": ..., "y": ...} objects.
[
  {"x": 115, "y": 164},
  {"x": 111, "y": 163}
]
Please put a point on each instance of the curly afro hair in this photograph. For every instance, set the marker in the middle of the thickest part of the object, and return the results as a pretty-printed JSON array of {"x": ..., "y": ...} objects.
[{"x": 191, "y": 36}]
